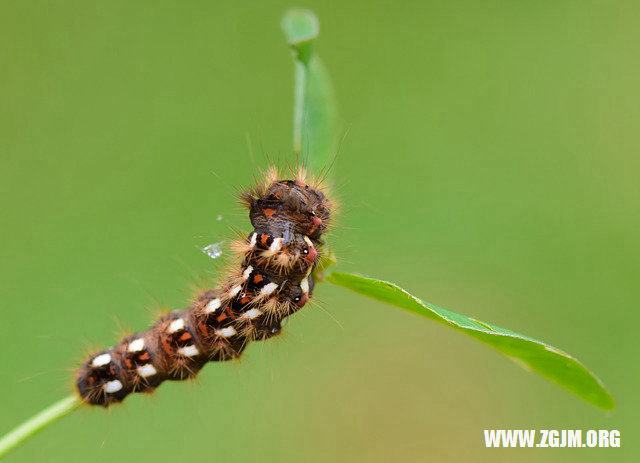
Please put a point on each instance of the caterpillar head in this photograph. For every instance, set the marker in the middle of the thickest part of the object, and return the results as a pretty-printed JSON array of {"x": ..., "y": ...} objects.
[{"x": 290, "y": 206}]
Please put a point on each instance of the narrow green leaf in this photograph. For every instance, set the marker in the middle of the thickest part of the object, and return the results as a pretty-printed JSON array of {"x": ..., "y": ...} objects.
[
  {"x": 314, "y": 112},
  {"x": 548, "y": 361}
]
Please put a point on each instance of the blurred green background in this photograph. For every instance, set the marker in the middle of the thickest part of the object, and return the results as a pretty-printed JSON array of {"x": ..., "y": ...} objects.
[{"x": 490, "y": 165}]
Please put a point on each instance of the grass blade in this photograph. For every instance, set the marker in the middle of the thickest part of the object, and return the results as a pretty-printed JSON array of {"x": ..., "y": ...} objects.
[
  {"x": 546, "y": 360},
  {"x": 314, "y": 112}
]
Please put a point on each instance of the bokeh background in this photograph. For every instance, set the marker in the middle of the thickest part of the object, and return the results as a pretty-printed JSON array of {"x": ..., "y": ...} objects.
[{"x": 489, "y": 165}]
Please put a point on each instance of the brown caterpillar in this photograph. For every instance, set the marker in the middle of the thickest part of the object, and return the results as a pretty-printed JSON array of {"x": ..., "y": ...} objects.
[{"x": 274, "y": 281}]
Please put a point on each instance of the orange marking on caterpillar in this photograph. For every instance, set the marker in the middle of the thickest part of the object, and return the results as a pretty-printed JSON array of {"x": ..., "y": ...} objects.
[
  {"x": 166, "y": 346},
  {"x": 269, "y": 212},
  {"x": 202, "y": 326}
]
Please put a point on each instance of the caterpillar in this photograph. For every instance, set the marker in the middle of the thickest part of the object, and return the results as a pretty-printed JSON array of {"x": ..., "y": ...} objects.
[{"x": 272, "y": 282}]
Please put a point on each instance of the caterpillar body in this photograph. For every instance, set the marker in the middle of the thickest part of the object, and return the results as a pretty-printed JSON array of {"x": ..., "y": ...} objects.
[{"x": 273, "y": 281}]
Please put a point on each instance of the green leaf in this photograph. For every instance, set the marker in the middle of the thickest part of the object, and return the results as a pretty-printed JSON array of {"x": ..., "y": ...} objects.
[
  {"x": 548, "y": 361},
  {"x": 314, "y": 112}
]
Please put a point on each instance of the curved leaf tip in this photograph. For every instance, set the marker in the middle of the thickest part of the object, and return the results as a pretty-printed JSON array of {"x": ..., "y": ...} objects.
[{"x": 301, "y": 28}]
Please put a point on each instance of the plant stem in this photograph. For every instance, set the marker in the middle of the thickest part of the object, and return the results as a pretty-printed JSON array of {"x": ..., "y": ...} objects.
[{"x": 37, "y": 423}]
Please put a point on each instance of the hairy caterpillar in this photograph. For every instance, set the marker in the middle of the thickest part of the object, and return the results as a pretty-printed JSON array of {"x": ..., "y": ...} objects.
[{"x": 273, "y": 281}]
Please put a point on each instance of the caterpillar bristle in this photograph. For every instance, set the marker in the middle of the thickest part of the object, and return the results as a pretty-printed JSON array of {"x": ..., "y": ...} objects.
[
  {"x": 271, "y": 282},
  {"x": 240, "y": 247},
  {"x": 271, "y": 176}
]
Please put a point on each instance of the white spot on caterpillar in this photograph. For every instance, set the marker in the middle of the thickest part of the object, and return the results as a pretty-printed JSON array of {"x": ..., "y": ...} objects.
[
  {"x": 188, "y": 351},
  {"x": 251, "y": 314},
  {"x": 112, "y": 386},
  {"x": 176, "y": 325},
  {"x": 254, "y": 238},
  {"x": 136, "y": 345},
  {"x": 269, "y": 288},
  {"x": 276, "y": 245},
  {"x": 235, "y": 290},
  {"x": 101, "y": 360},
  {"x": 247, "y": 272},
  {"x": 146, "y": 370},
  {"x": 304, "y": 285},
  {"x": 308, "y": 241},
  {"x": 213, "y": 305},
  {"x": 226, "y": 332}
]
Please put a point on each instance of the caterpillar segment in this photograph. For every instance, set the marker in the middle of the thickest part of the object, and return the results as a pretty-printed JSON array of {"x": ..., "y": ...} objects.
[{"x": 272, "y": 281}]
